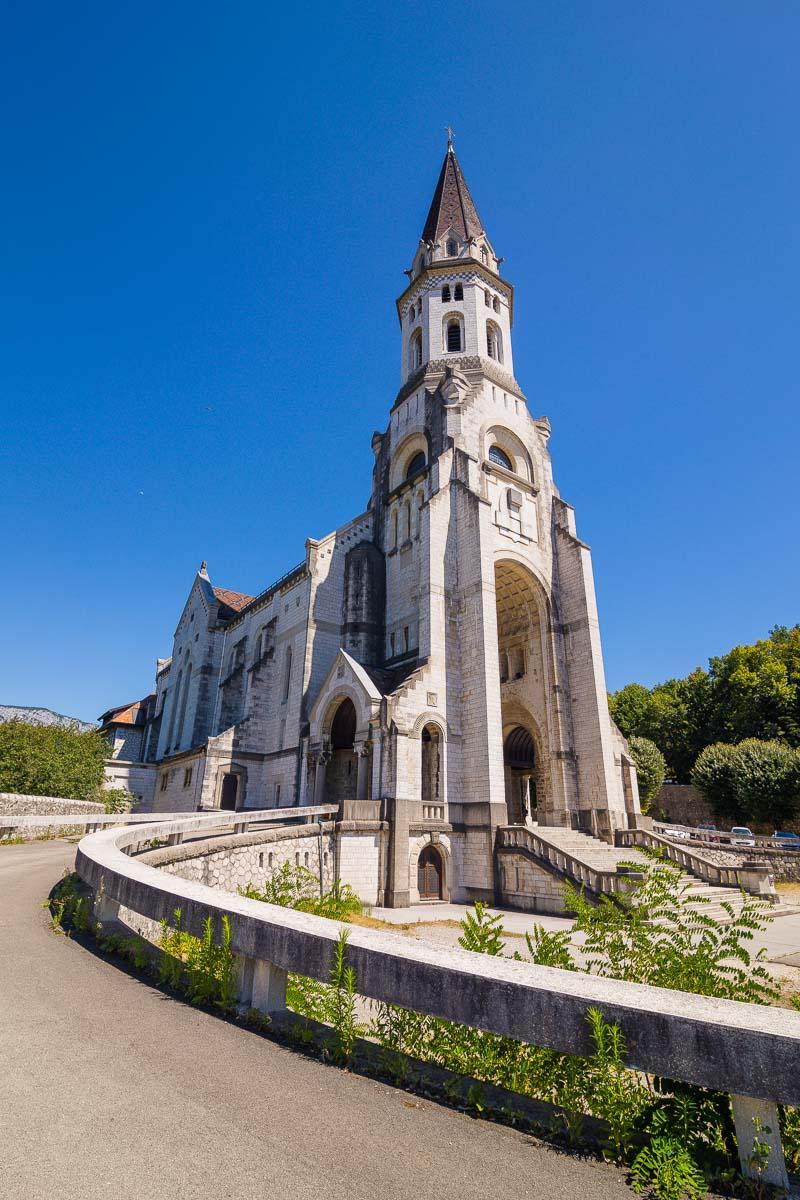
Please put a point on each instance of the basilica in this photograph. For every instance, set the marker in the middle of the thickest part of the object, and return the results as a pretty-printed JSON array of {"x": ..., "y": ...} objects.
[{"x": 434, "y": 667}]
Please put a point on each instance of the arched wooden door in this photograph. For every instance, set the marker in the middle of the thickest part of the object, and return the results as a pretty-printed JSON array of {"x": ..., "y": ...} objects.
[{"x": 429, "y": 874}]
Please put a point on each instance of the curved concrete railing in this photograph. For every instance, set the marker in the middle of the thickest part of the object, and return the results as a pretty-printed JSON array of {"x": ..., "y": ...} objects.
[
  {"x": 216, "y": 820},
  {"x": 747, "y": 1050}
]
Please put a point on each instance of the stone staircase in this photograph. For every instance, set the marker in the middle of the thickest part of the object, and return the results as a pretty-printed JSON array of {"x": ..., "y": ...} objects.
[{"x": 594, "y": 864}]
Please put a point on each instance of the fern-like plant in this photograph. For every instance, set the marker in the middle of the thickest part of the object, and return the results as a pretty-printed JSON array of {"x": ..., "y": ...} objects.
[{"x": 482, "y": 932}]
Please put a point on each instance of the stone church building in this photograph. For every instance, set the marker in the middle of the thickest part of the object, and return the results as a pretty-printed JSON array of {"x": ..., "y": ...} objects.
[{"x": 434, "y": 667}]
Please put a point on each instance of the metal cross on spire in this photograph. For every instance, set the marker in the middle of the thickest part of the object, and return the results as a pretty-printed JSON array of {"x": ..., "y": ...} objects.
[{"x": 450, "y": 137}]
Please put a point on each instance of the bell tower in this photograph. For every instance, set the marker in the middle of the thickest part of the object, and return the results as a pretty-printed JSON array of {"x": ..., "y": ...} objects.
[
  {"x": 491, "y": 635},
  {"x": 455, "y": 305}
]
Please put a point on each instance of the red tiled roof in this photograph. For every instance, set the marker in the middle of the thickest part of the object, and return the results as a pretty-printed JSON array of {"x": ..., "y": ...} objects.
[
  {"x": 452, "y": 206},
  {"x": 235, "y": 600}
]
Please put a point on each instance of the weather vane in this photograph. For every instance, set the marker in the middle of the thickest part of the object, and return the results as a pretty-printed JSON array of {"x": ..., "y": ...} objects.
[{"x": 450, "y": 135}]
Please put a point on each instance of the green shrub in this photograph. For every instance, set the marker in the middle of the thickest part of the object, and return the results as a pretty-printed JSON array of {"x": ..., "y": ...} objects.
[
  {"x": 117, "y": 800},
  {"x": 651, "y": 768},
  {"x": 51, "y": 760},
  {"x": 754, "y": 781},
  {"x": 297, "y": 887}
]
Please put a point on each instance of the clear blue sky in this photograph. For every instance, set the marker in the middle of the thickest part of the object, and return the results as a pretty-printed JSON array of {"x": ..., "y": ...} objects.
[{"x": 205, "y": 217}]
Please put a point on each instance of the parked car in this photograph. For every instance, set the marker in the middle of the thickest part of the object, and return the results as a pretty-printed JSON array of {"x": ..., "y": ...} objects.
[
  {"x": 788, "y": 841},
  {"x": 709, "y": 832},
  {"x": 742, "y": 836},
  {"x": 674, "y": 831}
]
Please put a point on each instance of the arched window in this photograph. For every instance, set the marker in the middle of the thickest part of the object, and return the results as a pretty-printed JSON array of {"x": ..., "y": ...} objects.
[
  {"x": 453, "y": 335},
  {"x": 458, "y": 293},
  {"x": 446, "y": 293},
  {"x": 496, "y": 304},
  {"x": 417, "y": 464},
  {"x": 452, "y": 248},
  {"x": 494, "y": 344},
  {"x": 415, "y": 350},
  {"x": 412, "y": 314},
  {"x": 484, "y": 255},
  {"x": 500, "y": 458},
  {"x": 487, "y": 298},
  {"x": 394, "y": 528}
]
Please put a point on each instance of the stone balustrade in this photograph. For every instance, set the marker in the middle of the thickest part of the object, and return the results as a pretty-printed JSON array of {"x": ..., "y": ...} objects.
[
  {"x": 752, "y": 877},
  {"x": 750, "y": 1051}
]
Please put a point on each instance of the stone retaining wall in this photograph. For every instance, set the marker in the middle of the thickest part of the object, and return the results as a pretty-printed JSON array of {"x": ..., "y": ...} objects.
[
  {"x": 16, "y": 804},
  {"x": 682, "y": 804},
  {"x": 234, "y": 861},
  {"x": 783, "y": 864}
]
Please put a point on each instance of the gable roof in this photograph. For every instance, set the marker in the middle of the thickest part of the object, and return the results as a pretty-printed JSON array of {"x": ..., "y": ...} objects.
[
  {"x": 452, "y": 206},
  {"x": 233, "y": 600},
  {"x": 134, "y": 713}
]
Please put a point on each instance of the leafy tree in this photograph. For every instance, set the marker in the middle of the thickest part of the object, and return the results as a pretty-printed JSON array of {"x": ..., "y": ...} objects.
[
  {"x": 630, "y": 709},
  {"x": 766, "y": 781},
  {"x": 712, "y": 775},
  {"x": 755, "y": 781},
  {"x": 651, "y": 767},
  {"x": 750, "y": 692},
  {"x": 50, "y": 760}
]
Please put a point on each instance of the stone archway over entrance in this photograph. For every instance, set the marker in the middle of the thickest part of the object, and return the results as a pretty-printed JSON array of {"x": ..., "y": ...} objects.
[
  {"x": 531, "y": 716},
  {"x": 430, "y": 874},
  {"x": 520, "y": 767},
  {"x": 342, "y": 769}
]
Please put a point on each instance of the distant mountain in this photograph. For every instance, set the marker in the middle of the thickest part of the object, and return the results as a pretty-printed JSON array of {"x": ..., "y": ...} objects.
[{"x": 42, "y": 716}]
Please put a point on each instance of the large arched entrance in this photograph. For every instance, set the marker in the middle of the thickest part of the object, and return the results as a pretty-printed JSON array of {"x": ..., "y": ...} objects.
[
  {"x": 519, "y": 763},
  {"x": 529, "y": 715},
  {"x": 429, "y": 874},
  {"x": 341, "y": 772}
]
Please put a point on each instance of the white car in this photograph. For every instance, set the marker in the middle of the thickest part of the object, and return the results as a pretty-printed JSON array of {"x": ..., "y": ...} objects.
[
  {"x": 672, "y": 831},
  {"x": 742, "y": 836}
]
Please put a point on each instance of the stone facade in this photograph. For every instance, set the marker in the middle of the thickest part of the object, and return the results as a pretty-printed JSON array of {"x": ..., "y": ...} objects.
[{"x": 433, "y": 667}]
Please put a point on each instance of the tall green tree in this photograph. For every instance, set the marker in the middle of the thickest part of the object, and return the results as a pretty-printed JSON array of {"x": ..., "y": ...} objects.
[
  {"x": 49, "y": 760},
  {"x": 750, "y": 692}
]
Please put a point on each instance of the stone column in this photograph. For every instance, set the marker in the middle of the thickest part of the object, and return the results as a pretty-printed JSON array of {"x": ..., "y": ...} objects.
[
  {"x": 362, "y": 781},
  {"x": 319, "y": 777},
  {"x": 756, "y": 1121}
]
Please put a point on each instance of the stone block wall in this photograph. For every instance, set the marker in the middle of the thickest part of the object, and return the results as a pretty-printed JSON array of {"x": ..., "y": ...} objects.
[
  {"x": 17, "y": 804},
  {"x": 682, "y": 804},
  {"x": 233, "y": 862},
  {"x": 527, "y": 886}
]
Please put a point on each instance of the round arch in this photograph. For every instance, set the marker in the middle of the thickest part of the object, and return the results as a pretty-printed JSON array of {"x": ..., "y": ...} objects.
[
  {"x": 512, "y": 446},
  {"x": 528, "y": 670},
  {"x": 432, "y": 850},
  {"x": 409, "y": 448}
]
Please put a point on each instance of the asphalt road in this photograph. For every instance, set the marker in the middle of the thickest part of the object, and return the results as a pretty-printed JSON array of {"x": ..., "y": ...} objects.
[{"x": 110, "y": 1089}]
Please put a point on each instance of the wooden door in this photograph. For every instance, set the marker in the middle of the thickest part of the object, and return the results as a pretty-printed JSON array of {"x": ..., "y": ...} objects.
[{"x": 429, "y": 874}]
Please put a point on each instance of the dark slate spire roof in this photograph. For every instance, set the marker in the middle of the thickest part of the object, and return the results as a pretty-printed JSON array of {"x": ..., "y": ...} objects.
[{"x": 452, "y": 206}]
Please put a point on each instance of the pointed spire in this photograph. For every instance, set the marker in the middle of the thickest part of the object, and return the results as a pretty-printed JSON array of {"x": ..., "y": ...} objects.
[{"x": 452, "y": 206}]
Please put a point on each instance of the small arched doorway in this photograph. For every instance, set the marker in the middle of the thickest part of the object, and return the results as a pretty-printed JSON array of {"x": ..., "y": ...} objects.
[
  {"x": 341, "y": 774},
  {"x": 519, "y": 760},
  {"x": 429, "y": 874},
  {"x": 229, "y": 791}
]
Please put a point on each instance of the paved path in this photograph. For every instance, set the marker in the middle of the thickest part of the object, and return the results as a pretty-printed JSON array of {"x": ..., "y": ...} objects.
[{"x": 109, "y": 1089}]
